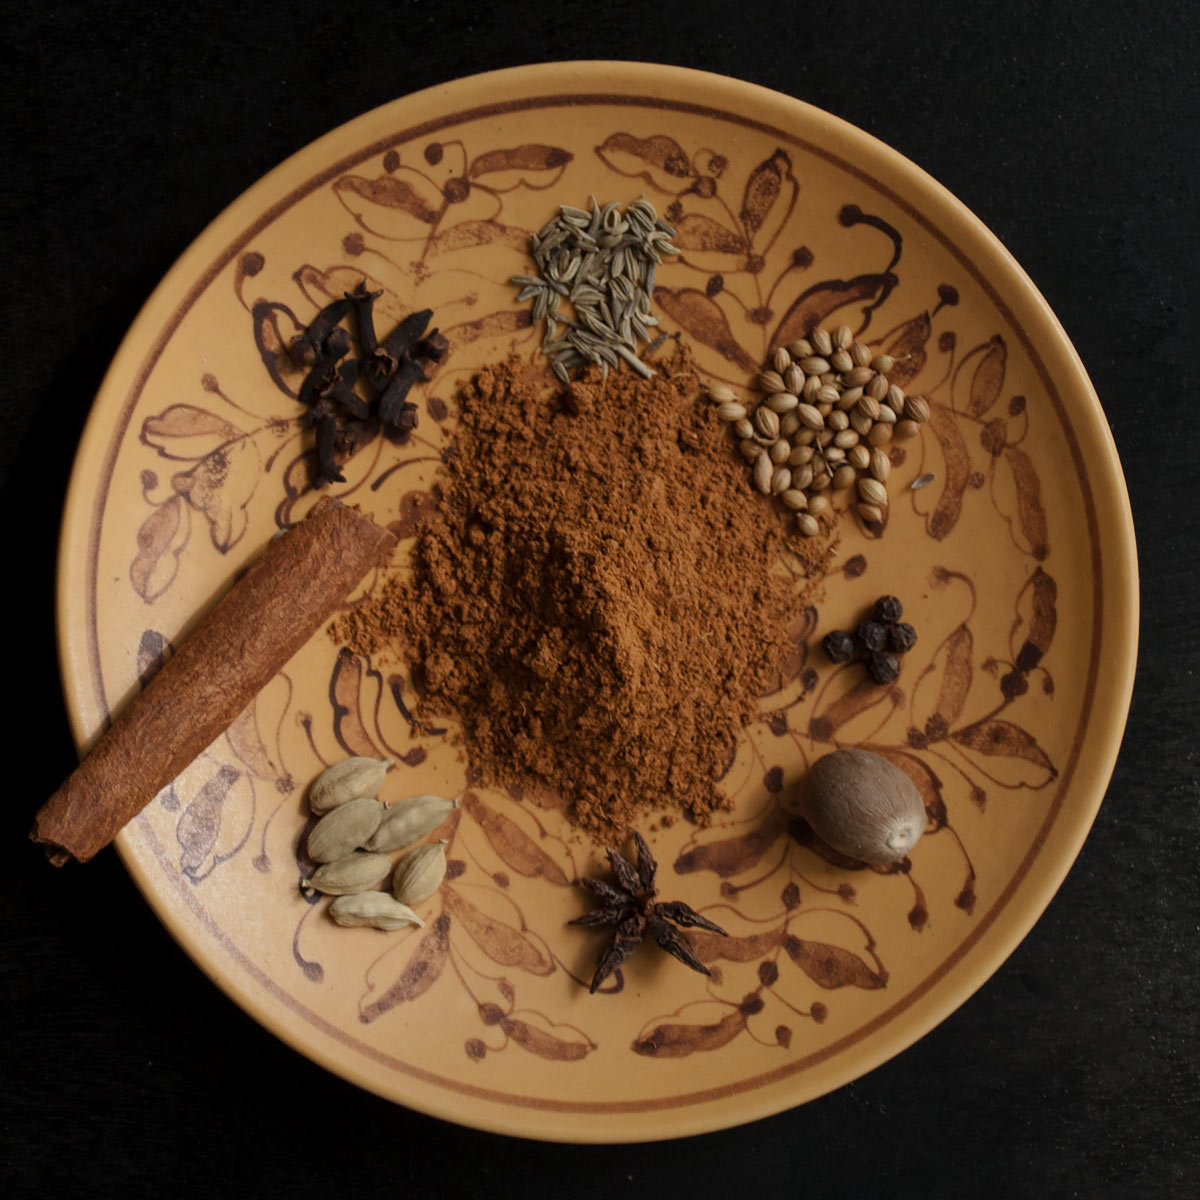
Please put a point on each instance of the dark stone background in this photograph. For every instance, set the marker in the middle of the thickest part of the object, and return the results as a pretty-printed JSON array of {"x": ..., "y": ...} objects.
[{"x": 1072, "y": 130}]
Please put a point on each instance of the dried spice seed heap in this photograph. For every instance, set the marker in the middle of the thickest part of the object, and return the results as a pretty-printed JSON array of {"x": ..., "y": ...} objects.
[
  {"x": 828, "y": 413},
  {"x": 594, "y": 599},
  {"x": 879, "y": 639},
  {"x": 603, "y": 262},
  {"x": 630, "y": 907},
  {"x": 388, "y": 369}
]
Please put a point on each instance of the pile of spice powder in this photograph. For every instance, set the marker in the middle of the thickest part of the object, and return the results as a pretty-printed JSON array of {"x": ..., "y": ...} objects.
[{"x": 599, "y": 599}]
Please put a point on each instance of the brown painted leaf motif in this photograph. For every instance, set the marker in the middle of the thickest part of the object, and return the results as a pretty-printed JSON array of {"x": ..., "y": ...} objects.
[
  {"x": 659, "y": 161},
  {"x": 530, "y": 165},
  {"x": 502, "y": 943},
  {"x": 153, "y": 650},
  {"x": 419, "y": 974},
  {"x": 497, "y": 324},
  {"x": 514, "y": 847},
  {"x": 907, "y": 347},
  {"x": 1006, "y": 753},
  {"x": 768, "y": 200},
  {"x": 831, "y": 966},
  {"x": 955, "y": 473},
  {"x": 1037, "y": 618},
  {"x": 399, "y": 206},
  {"x": 544, "y": 1044},
  {"x": 345, "y": 694},
  {"x": 186, "y": 433},
  {"x": 220, "y": 486},
  {"x": 470, "y": 235},
  {"x": 274, "y": 327},
  {"x": 710, "y": 947},
  {"x": 1030, "y": 532},
  {"x": 863, "y": 696},
  {"x": 928, "y": 782},
  {"x": 161, "y": 540},
  {"x": 415, "y": 509},
  {"x": 693, "y": 231},
  {"x": 730, "y": 856},
  {"x": 203, "y": 821},
  {"x": 246, "y": 742},
  {"x": 818, "y": 304},
  {"x": 941, "y": 689},
  {"x": 678, "y": 1041},
  {"x": 705, "y": 320},
  {"x": 988, "y": 378}
]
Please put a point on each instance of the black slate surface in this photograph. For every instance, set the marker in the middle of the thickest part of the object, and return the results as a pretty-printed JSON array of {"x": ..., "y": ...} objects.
[{"x": 1072, "y": 131}]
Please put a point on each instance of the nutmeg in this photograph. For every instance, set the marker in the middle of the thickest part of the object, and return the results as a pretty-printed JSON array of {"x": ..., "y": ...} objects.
[{"x": 863, "y": 806}]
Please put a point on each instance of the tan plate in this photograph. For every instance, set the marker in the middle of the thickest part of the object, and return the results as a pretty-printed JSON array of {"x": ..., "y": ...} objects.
[{"x": 1017, "y": 566}]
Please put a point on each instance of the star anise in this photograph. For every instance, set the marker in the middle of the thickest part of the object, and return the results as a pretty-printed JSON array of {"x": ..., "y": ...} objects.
[{"x": 632, "y": 908}]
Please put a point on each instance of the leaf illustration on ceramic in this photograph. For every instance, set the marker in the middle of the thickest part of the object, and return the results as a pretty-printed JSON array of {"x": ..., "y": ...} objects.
[
  {"x": 941, "y": 689},
  {"x": 768, "y": 200},
  {"x": 153, "y": 650},
  {"x": 1017, "y": 494},
  {"x": 1005, "y": 753},
  {"x": 398, "y": 207},
  {"x": 840, "y": 716},
  {"x": 494, "y": 325},
  {"x": 220, "y": 487},
  {"x": 530, "y": 165},
  {"x": 470, "y": 235},
  {"x": 833, "y": 967},
  {"x": 246, "y": 740},
  {"x": 186, "y": 433},
  {"x": 534, "y": 1039},
  {"x": 952, "y": 475},
  {"x": 988, "y": 376},
  {"x": 215, "y": 823},
  {"x": 906, "y": 346},
  {"x": 927, "y": 781},
  {"x": 818, "y": 305},
  {"x": 345, "y": 695},
  {"x": 711, "y": 947},
  {"x": 161, "y": 540},
  {"x": 508, "y": 945},
  {"x": 274, "y": 327},
  {"x": 659, "y": 161},
  {"x": 709, "y": 245},
  {"x": 513, "y": 846},
  {"x": 730, "y": 856},
  {"x": 1036, "y": 620},
  {"x": 678, "y": 1040},
  {"x": 420, "y": 972},
  {"x": 704, "y": 320}
]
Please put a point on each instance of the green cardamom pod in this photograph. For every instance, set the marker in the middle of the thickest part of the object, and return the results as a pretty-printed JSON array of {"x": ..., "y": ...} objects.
[
  {"x": 357, "y": 872},
  {"x": 409, "y": 821},
  {"x": 376, "y": 909},
  {"x": 420, "y": 873},
  {"x": 345, "y": 828},
  {"x": 347, "y": 780}
]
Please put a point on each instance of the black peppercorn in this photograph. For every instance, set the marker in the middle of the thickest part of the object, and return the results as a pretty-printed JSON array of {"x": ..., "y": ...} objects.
[
  {"x": 871, "y": 635},
  {"x": 838, "y": 646},
  {"x": 883, "y": 667},
  {"x": 887, "y": 609},
  {"x": 902, "y": 637}
]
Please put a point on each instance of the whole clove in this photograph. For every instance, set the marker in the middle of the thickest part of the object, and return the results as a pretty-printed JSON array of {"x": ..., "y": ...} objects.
[{"x": 388, "y": 369}]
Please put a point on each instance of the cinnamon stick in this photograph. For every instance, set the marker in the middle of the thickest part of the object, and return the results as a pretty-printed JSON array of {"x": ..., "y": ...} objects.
[{"x": 284, "y": 597}]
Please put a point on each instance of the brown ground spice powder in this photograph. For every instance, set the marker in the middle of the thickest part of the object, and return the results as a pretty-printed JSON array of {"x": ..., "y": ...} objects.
[{"x": 599, "y": 600}]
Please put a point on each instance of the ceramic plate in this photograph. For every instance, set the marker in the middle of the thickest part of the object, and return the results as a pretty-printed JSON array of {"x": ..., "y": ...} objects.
[{"x": 1017, "y": 566}]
